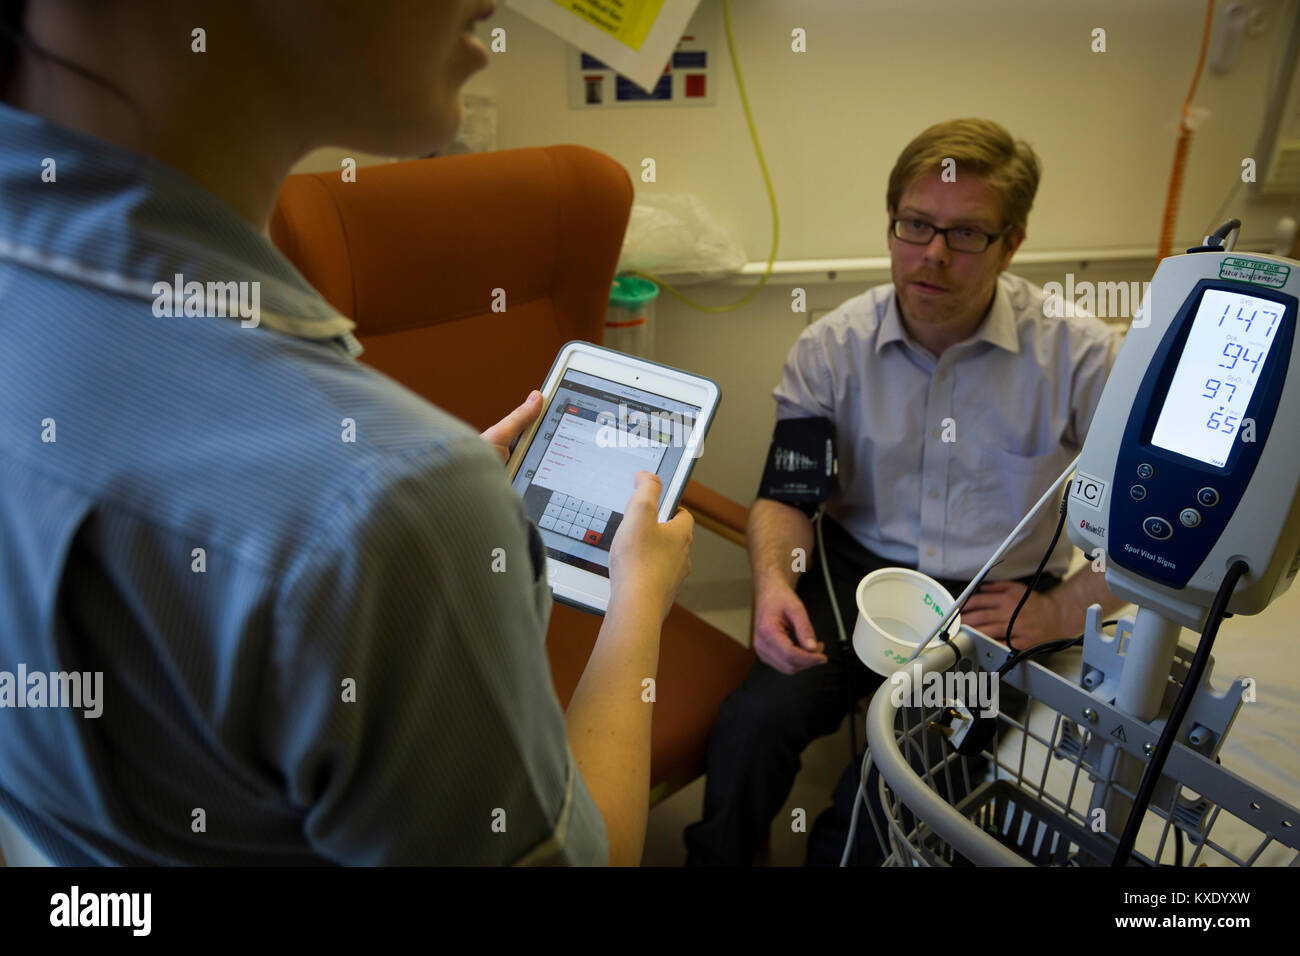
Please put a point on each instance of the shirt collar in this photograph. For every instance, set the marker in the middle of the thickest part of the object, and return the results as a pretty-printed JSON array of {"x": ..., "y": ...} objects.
[
  {"x": 891, "y": 326},
  {"x": 93, "y": 212},
  {"x": 998, "y": 327}
]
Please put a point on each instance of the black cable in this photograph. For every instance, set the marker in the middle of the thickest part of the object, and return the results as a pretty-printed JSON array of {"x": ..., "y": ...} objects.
[
  {"x": 978, "y": 736},
  {"x": 1214, "y": 241},
  {"x": 853, "y": 762},
  {"x": 1223, "y": 206},
  {"x": 845, "y": 683},
  {"x": 853, "y": 723},
  {"x": 1049, "y": 647},
  {"x": 1060, "y": 524},
  {"x": 1222, "y": 232},
  {"x": 1151, "y": 775},
  {"x": 845, "y": 646},
  {"x": 853, "y": 730},
  {"x": 1038, "y": 650}
]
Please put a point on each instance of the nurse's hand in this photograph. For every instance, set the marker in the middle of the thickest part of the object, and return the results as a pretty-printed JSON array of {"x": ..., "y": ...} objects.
[
  {"x": 648, "y": 560},
  {"x": 503, "y": 434},
  {"x": 783, "y": 634},
  {"x": 989, "y": 610}
]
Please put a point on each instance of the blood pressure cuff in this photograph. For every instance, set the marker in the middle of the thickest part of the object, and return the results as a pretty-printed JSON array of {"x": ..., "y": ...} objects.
[{"x": 801, "y": 465}]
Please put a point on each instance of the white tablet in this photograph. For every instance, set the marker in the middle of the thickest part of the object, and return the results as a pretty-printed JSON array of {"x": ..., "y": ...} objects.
[{"x": 605, "y": 417}]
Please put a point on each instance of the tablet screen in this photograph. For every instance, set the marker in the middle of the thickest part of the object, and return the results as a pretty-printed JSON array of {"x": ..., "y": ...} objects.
[{"x": 578, "y": 474}]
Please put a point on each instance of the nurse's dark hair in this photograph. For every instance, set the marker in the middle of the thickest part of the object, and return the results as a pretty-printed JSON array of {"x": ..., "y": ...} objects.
[
  {"x": 13, "y": 37},
  {"x": 11, "y": 34},
  {"x": 976, "y": 146}
]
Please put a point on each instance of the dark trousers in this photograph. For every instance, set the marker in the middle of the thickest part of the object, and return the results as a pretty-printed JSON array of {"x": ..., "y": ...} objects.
[{"x": 763, "y": 727}]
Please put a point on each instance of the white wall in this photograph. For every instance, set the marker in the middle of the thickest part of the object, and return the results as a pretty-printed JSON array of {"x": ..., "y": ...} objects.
[{"x": 832, "y": 121}]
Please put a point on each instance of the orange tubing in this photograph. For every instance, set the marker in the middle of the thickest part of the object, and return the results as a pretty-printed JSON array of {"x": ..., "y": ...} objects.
[{"x": 1184, "y": 146}]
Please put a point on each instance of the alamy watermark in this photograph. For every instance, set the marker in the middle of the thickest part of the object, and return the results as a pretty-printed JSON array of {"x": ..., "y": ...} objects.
[
  {"x": 225, "y": 300},
  {"x": 75, "y": 689},
  {"x": 634, "y": 428},
  {"x": 1105, "y": 300},
  {"x": 133, "y": 911},
  {"x": 977, "y": 690}
]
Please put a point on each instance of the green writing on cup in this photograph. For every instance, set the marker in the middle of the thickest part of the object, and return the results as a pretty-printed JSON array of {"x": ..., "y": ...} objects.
[{"x": 894, "y": 616}]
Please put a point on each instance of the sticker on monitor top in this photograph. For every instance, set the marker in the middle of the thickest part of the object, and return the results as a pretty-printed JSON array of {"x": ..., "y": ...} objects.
[{"x": 1272, "y": 274}]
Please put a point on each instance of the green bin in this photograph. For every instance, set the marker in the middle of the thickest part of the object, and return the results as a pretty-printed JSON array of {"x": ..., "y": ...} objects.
[{"x": 629, "y": 320}]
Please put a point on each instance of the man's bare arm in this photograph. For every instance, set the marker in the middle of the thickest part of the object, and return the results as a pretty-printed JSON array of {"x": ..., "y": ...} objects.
[
  {"x": 783, "y": 634},
  {"x": 773, "y": 533}
]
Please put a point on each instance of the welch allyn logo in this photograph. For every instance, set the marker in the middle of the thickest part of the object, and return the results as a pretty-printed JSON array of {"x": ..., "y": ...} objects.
[
  {"x": 53, "y": 689},
  {"x": 75, "y": 908},
  {"x": 1087, "y": 525}
]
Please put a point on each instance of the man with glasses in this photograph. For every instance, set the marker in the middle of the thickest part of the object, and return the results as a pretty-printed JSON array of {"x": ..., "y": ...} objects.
[{"x": 955, "y": 402}]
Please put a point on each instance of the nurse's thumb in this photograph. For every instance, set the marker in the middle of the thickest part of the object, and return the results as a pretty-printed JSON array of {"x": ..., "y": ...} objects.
[{"x": 647, "y": 487}]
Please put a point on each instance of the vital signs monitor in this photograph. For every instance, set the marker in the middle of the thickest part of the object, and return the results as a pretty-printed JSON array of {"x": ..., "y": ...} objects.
[{"x": 1193, "y": 458}]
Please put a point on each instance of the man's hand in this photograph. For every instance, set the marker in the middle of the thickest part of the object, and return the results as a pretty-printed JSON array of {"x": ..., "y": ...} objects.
[
  {"x": 503, "y": 434},
  {"x": 783, "y": 635},
  {"x": 989, "y": 610}
]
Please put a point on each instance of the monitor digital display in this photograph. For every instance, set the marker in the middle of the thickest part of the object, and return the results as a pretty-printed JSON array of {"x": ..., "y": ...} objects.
[{"x": 1221, "y": 362}]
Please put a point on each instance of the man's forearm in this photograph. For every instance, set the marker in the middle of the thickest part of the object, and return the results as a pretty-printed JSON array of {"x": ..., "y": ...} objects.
[
  {"x": 1077, "y": 593},
  {"x": 775, "y": 535}
]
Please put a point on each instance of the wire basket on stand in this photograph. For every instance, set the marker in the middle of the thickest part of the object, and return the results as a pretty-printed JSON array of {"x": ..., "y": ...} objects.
[{"x": 1040, "y": 790}]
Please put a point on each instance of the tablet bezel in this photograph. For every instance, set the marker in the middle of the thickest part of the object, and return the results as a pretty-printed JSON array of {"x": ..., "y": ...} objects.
[{"x": 582, "y": 589}]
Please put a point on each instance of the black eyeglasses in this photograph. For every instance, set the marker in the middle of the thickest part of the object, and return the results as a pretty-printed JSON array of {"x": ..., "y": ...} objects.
[{"x": 957, "y": 238}]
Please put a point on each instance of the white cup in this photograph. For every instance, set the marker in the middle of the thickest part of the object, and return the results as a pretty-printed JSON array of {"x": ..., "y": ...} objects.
[{"x": 897, "y": 609}]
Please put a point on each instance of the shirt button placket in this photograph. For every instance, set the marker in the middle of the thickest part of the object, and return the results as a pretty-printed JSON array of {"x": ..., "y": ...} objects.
[{"x": 934, "y": 470}]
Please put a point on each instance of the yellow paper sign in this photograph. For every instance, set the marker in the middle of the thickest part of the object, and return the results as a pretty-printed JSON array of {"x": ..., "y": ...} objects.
[
  {"x": 634, "y": 38},
  {"x": 627, "y": 21}
]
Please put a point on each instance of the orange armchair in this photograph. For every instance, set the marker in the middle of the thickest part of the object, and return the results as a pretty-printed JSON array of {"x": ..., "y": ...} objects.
[{"x": 465, "y": 275}]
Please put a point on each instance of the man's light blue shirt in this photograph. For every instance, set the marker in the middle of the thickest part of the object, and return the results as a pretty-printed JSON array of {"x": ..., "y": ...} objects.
[{"x": 939, "y": 458}]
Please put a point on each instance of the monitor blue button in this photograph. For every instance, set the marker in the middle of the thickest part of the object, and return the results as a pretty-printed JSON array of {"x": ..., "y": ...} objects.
[
  {"x": 1190, "y": 517},
  {"x": 1137, "y": 492},
  {"x": 1207, "y": 497},
  {"x": 1157, "y": 528},
  {"x": 1145, "y": 471}
]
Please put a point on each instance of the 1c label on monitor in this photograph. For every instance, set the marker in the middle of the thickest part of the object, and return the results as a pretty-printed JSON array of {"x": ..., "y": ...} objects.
[{"x": 1091, "y": 491}]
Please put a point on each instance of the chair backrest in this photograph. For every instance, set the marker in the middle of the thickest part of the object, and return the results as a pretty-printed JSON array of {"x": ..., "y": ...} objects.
[{"x": 464, "y": 274}]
